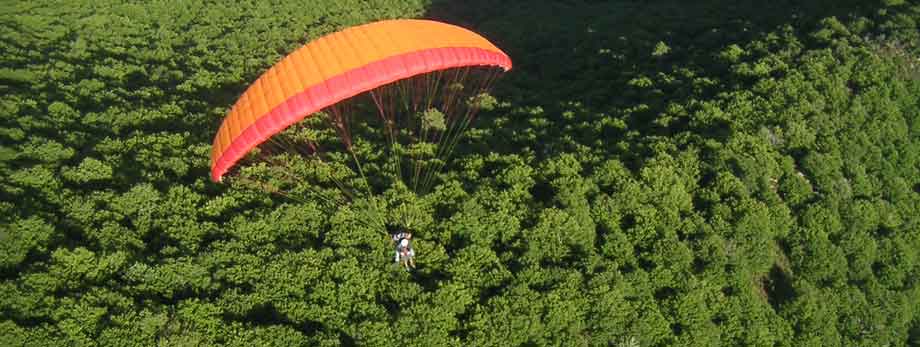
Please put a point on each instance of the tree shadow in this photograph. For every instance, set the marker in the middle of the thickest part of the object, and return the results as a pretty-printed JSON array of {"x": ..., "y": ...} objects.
[
  {"x": 559, "y": 42},
  {"x": 616, "y": 76}
]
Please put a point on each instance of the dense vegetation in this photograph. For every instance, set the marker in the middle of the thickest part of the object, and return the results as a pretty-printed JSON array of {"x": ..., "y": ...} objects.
[{"x": 718, "y": 173}]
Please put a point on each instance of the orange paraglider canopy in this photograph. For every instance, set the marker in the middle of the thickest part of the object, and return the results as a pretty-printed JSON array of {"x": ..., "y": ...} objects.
[{"x": 339, "y": 66}]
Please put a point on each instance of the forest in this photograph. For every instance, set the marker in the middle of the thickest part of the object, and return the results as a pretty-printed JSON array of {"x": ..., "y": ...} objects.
[{"x": 649, "y": 173}]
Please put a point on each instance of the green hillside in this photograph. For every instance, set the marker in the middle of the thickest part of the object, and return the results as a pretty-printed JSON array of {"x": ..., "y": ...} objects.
[{"x": 654, "y": 174}]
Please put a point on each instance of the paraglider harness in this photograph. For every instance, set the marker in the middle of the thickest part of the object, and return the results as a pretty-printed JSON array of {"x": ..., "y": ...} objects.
[{"x": 404, "y": 250}]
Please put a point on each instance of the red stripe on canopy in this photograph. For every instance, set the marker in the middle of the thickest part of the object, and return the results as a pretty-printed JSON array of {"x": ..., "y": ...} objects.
[{"x": 347, "y": 85}]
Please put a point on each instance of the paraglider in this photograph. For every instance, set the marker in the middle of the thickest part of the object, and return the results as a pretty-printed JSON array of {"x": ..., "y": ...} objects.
[
  {"x": 405, "y": 254},
  {"x": 302, "y": 119},
  {"x": 340, "y": 66}
]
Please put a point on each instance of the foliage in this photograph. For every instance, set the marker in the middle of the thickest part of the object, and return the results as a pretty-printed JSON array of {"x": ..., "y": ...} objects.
[{"x": 670, "y": 173}]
